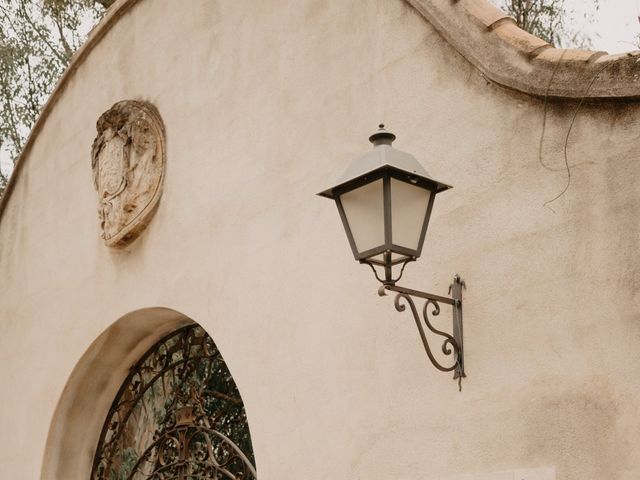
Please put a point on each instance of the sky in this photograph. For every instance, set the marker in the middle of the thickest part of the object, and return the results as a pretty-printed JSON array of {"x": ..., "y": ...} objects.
[{"x": 615, "y": 25}]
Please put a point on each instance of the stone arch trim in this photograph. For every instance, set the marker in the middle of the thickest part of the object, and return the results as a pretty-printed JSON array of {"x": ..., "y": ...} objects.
[
  {"x": 482, "y": 33},
  {"x": 85, "y": 401}
]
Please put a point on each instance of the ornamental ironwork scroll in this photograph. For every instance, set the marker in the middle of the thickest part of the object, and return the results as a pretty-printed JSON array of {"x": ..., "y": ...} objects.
[
  {"x": 178, "y": 415},
  {"x": 452, "y": 345}
]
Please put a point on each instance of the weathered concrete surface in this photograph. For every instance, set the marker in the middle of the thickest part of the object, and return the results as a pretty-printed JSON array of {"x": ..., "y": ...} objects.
[{"x": 264, "y": 104}]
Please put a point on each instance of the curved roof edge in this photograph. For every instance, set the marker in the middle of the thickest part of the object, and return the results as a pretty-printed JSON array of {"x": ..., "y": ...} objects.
[
  {"x": 508, "y": 56},
  {"x": 482, "y": 33}
]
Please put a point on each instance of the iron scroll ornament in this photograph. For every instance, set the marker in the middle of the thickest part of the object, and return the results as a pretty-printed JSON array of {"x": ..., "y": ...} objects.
[
  {"x": 452, "y": 344},
  {"x": 177, "y": 416}
]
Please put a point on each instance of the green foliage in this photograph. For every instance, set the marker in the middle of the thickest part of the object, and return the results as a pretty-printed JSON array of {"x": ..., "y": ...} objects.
[
  {"x": 551, "y": 21},
  {"x": 37, "y": 40}
]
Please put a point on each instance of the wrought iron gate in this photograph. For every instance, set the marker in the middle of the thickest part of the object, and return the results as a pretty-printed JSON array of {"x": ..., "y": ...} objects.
[{"x": 177, "y": 416}]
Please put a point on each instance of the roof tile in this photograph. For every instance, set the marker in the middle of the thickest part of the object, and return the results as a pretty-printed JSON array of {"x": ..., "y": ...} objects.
[{"x": 522, "y": 41}]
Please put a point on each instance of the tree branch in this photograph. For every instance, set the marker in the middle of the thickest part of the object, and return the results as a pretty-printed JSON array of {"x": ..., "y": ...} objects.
[
  {"x": 106, "y": 3},
  {"x": 68, "y": 51},
  {"x": 223, "y": 396},
  {"x": 44, "y": 39},
  {"x": 15, "y": 136}
]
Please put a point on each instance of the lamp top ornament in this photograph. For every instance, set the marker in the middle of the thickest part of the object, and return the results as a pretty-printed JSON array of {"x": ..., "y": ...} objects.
[{"x": 383, "y": 157}]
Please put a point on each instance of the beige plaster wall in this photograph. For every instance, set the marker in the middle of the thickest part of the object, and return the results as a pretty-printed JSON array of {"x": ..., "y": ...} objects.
[{"x": 264, "y": 104}]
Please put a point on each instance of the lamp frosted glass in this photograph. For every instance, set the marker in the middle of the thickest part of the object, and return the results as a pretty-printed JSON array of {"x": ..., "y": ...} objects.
[
  {"x": 409, "y": 205},
  {"x": 364, "y": 209}
]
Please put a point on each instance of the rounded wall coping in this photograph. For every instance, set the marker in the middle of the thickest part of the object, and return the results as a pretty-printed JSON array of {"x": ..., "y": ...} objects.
[
  {"x": 513, "y": 58},
  {"x": 482, "y": 33}
]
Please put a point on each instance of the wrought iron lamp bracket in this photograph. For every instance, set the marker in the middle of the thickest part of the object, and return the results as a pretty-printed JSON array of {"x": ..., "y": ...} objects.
[
  {"x": 452, "y": 344},
  {"x": 388, "y": 280}
]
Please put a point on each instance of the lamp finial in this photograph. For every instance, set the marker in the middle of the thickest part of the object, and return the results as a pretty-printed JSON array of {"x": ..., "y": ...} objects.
[{"x": 382, "y": 136}]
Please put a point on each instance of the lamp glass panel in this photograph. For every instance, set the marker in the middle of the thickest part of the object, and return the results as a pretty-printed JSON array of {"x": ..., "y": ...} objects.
[
  {"x": 408, "y": 209},
  {"x": 364, "y": 209}
]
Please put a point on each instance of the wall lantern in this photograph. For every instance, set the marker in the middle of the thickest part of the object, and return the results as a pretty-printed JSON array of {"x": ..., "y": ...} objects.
[{"x": 385, "y": 199}]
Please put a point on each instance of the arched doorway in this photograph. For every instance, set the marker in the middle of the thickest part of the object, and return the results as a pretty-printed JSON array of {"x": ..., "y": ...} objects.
[{"x": 178, "y": 415}]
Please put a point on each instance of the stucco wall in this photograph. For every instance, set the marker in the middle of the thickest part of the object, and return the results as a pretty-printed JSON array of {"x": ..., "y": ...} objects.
[{"x": 264, "y": 104}]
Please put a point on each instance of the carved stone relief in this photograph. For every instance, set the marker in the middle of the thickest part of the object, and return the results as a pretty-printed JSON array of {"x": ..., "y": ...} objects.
[{"x": 128, "y": 162}]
